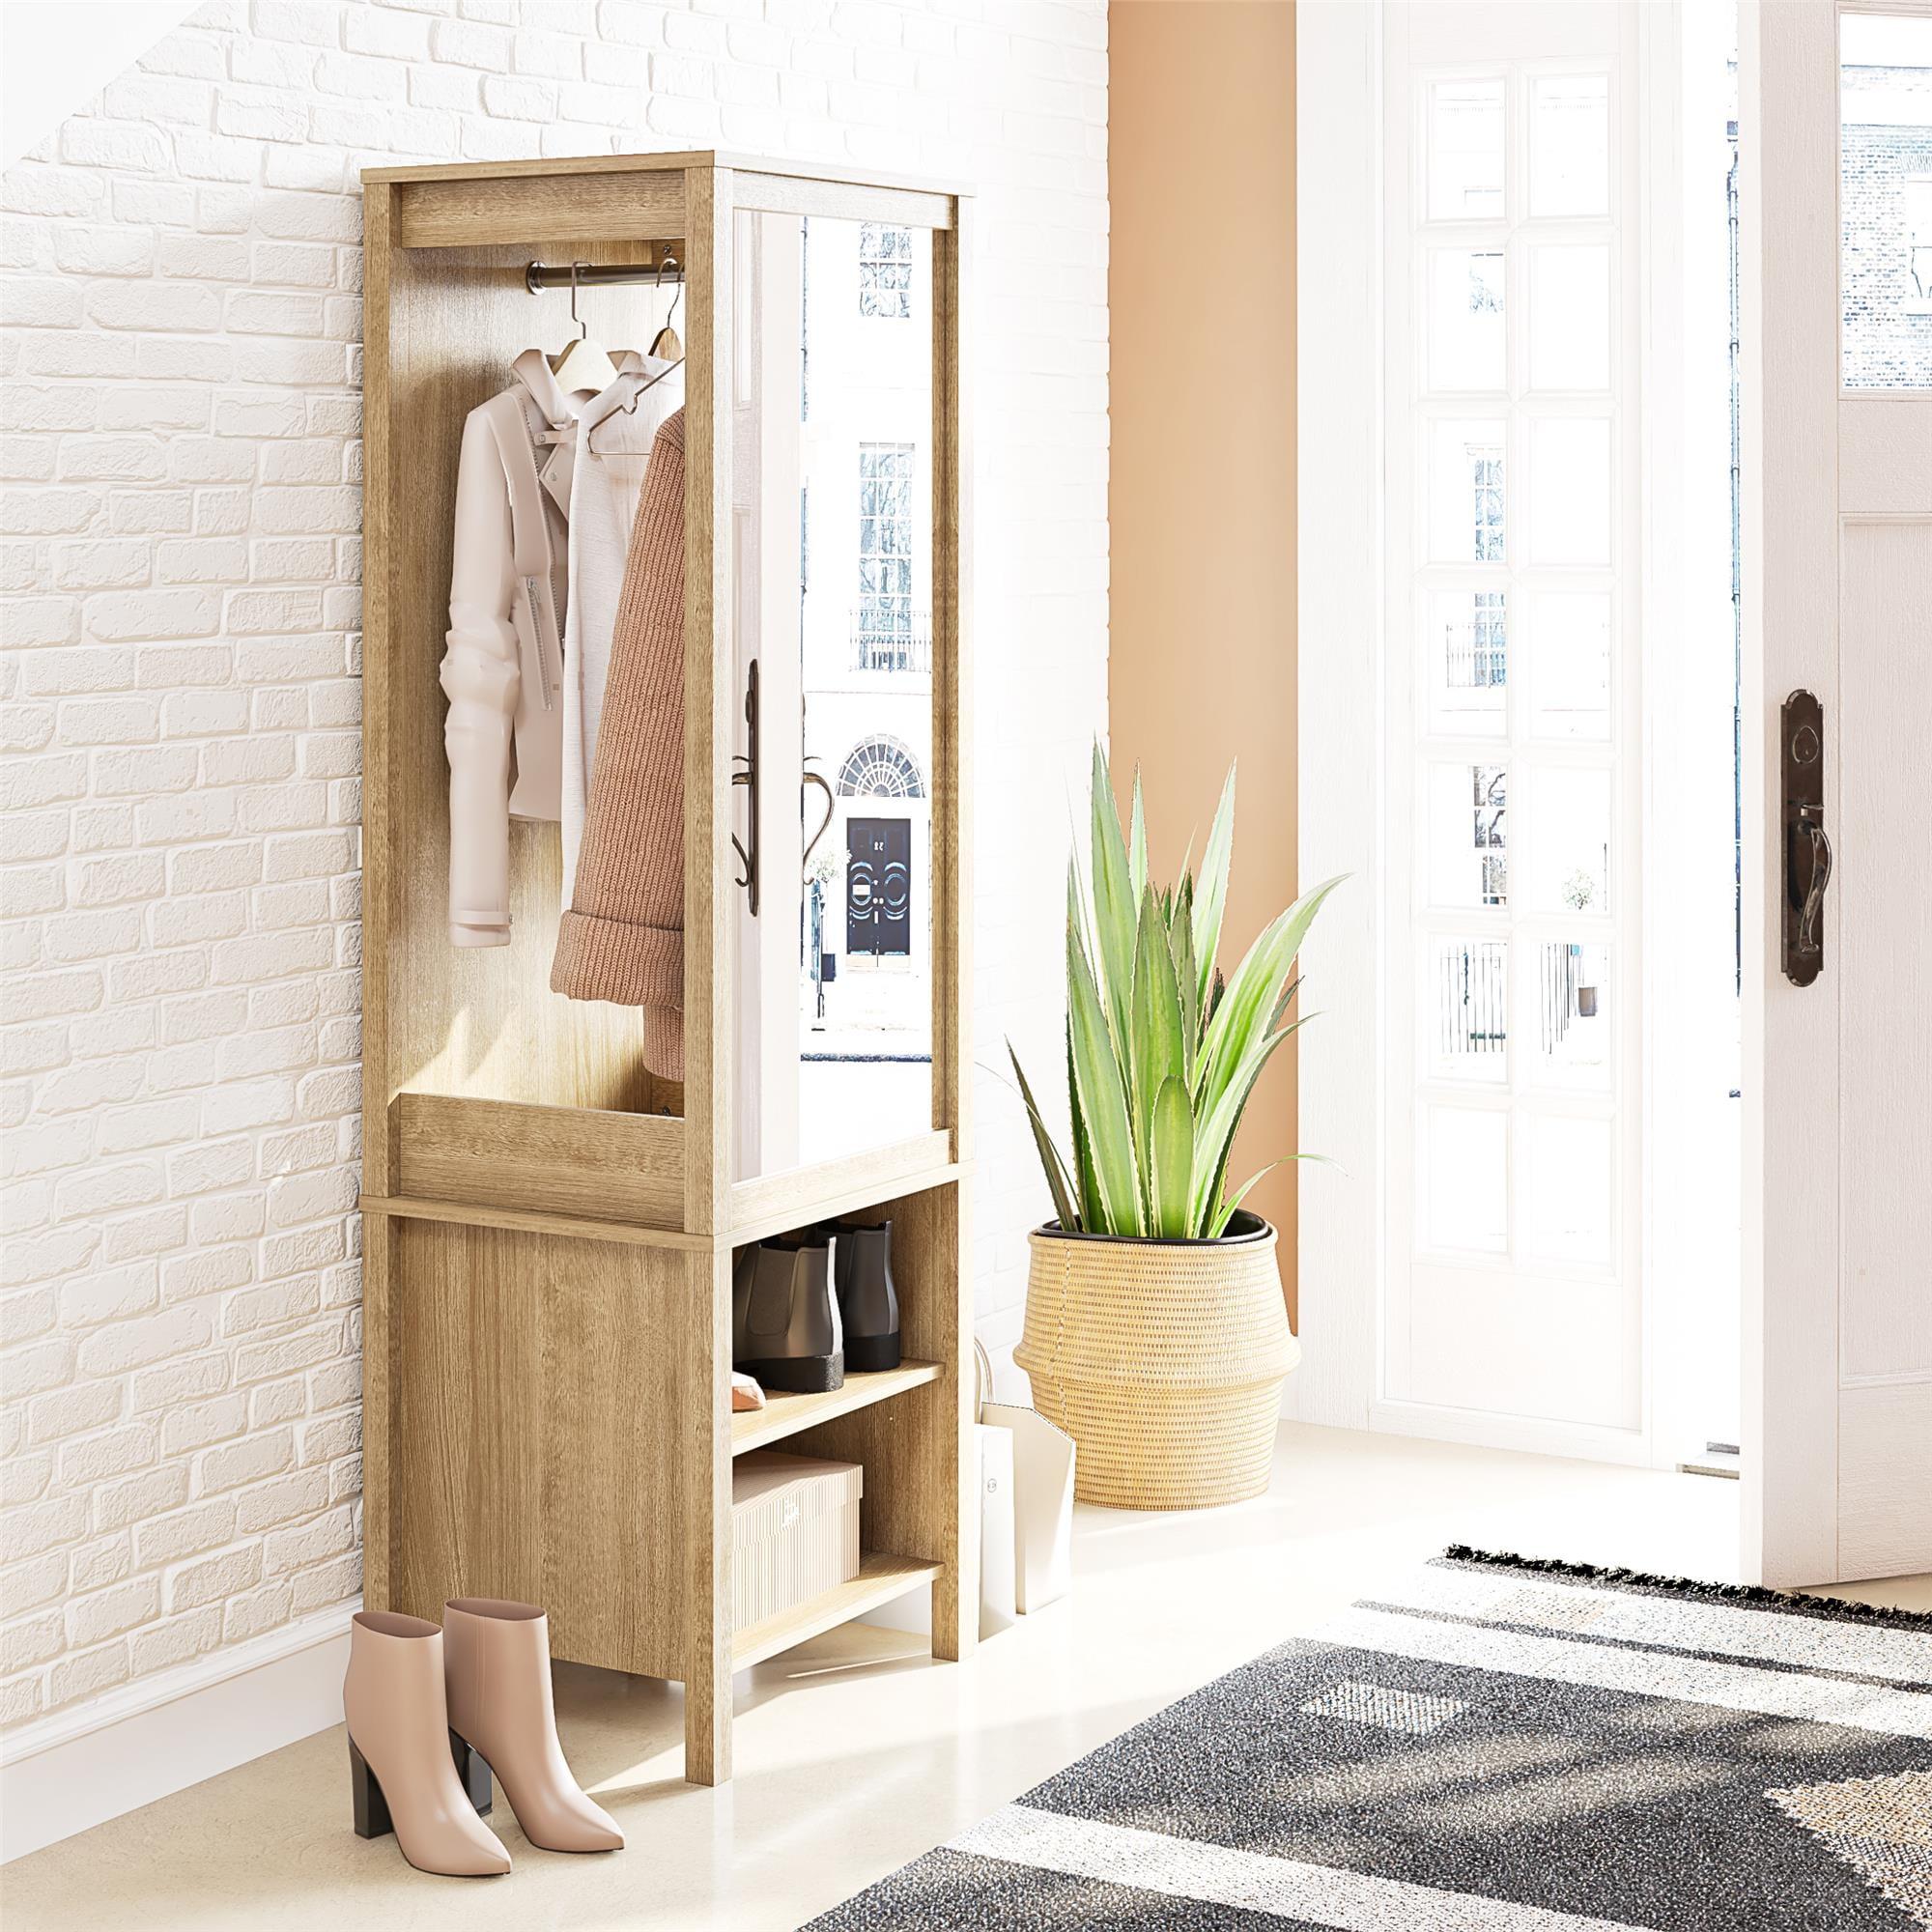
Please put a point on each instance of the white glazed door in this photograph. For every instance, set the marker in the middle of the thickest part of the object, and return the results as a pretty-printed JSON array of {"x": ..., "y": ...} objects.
[
  {"x": 1513, "y": 1305},
  {"x": 1837, "y": 460}
]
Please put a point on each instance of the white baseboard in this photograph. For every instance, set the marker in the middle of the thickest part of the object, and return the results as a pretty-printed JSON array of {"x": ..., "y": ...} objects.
[
  {"x": 1481, "y": 1429},
  {"x": 75, "y": 1769}
]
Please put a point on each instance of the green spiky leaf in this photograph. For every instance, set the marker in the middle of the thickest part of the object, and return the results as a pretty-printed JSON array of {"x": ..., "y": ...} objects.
[
  {"x": 1057, "y": 1179},
  {"x": 1102, "y": 1097},
  {"x": 1115, "y": 907},
  {"x": 1137, "y": 847},
  {"x": 1172, "y": 1163},
  {"x": 1211, "y": 897}
]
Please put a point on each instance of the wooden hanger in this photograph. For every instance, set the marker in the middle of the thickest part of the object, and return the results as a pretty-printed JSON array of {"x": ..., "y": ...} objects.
[{"x": 585, "y": 364}]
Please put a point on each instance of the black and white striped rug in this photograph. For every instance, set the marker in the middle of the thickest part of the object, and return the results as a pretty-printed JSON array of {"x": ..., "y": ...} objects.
[{"x": 1502, "y": 1747}]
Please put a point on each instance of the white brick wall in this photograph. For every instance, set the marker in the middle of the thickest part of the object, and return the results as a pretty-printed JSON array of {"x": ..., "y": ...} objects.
[{"x": 180, "y": 557}]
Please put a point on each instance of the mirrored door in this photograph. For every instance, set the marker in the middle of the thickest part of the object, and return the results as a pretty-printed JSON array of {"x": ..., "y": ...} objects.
[{"x": 832, "y": 555}]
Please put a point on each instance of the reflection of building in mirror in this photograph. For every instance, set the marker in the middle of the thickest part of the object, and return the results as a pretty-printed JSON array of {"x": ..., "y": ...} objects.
[{"x": 865, "y": 571}]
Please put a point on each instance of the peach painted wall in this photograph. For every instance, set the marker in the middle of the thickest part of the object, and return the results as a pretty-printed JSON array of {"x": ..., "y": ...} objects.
[{"x": 1200, "y": 146}]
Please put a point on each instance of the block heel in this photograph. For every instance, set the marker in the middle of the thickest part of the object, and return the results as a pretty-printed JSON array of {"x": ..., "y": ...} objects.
[
  {"x": 372, "y": 1808},
  {"x": 473, "y": 1769}
]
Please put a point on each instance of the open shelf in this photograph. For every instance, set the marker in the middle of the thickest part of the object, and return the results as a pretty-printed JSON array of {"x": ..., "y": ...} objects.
[
  {"x": 785, "y": 1416},
  {"x": 881, "y": 1577},
  {"x": 774, "y": 1203}
]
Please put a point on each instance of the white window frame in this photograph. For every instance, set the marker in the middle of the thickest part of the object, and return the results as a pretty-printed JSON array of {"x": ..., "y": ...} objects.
[{"x": 1355, "y": 818}]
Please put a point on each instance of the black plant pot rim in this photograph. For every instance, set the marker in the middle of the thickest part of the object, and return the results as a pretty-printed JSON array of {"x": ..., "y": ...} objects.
[{"x": 1244, "y": 1228}]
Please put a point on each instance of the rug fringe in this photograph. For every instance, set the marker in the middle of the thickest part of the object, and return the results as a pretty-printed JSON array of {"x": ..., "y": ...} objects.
[{"x": 1753, "y": 1596}]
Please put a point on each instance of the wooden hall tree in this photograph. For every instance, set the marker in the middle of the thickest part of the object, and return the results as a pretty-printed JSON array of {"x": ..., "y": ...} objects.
[{"x": 550, "y": 1229}]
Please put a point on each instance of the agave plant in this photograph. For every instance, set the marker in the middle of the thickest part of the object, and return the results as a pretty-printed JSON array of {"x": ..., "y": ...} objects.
[{"x": 1162, "y": 1050}]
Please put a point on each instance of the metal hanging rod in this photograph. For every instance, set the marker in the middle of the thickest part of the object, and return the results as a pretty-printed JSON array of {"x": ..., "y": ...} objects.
[{"x": 541, "y": 275}]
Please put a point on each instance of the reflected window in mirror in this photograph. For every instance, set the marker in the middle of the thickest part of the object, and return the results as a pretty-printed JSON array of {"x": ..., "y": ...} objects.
[{"x": 884, "y": 272}]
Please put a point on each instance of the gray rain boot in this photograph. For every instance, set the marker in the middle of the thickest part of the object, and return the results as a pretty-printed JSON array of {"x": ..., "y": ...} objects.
[{"x": 785, "y": 1317}]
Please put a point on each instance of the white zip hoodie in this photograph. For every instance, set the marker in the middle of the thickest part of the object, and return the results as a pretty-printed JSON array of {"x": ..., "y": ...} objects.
[{"x": 526, "y": 470}]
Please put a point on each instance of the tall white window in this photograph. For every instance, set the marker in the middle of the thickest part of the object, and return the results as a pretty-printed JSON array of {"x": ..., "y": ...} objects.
[
  {"x": 885, "y": 270},
  {"x": 886, "y": 639},
  {"x": 1512, "y": 1282}
]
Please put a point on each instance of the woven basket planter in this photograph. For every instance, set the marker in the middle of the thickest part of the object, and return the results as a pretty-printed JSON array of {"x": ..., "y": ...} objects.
[{"x": 1163, "y": 1361}]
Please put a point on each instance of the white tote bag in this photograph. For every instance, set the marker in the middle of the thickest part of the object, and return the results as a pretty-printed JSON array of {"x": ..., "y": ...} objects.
[{"x": 1040, "y": 1496}]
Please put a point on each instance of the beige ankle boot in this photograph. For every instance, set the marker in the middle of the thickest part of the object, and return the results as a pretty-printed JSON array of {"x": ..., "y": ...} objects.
[
  {"x": 401, "y": 1767},
  {"x": 498, "y": 1659}
]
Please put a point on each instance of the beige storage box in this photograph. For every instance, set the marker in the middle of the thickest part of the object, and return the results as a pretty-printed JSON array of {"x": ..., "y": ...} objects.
[{"x": 794, "y": 1531}]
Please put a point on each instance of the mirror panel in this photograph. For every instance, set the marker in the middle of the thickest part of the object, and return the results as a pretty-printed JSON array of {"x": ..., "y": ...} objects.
[{"x": 832, "y": 560}]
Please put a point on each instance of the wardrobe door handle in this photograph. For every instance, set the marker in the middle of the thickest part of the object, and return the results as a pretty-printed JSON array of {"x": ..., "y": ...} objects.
[{"x": 824, "y": 824}]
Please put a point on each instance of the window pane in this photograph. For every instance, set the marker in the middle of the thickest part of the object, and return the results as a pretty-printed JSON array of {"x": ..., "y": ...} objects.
[
  {"x": 1467, "y": 1010},
  {"x": 1468, "y": 832},
  {"x": 1569, "y": 317},
  {"x": 1466, "y": 319},
  {"x": 1466, "y": 662},
  {"x": 1466, "y": 491},
  {"x": 883, "y": 620},
  {"x": 1567, "y": 819},
  {"x": 1572, "y": 1040},
  {"x": 1569, "y": 144},
  {"x": 1885, "y": 200},
  {"x": 1569, "y": 641},
  {"x": 1568, "y": 1177},
  {"x": 1466, "y": 1179},
  {"x": 1465, "y": 150},
  {"x": 1570, "y": 490}
]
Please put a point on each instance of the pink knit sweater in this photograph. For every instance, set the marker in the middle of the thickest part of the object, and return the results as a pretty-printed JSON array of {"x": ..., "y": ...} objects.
[{"x": 622, "y": 939}]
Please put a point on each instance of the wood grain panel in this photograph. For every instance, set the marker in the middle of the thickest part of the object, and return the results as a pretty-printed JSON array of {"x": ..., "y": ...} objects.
[
  {"x": 444, "y": 214},
  {"x": 784, "y": 1415},
  {"x": 382, "y": 715},
  {"x": 578, "y": 1226},
  {"x": 470, "y": 1021},
  {"x": 772, "y": 1203},
  {"x": 576, "y": 167},
  {"x": 378, "y": 1411},
  {"x": 538, "y": 1447},
  {"x": 841, "y": 201},
  {"x": 708, "y": 690},
  {"x": 951, "y": 681},
  {"x": 565, "y": 1160},
  {"x": 881, "y": 1577}
]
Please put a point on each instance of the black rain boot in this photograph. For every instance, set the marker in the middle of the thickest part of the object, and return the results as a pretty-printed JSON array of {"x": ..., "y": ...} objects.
[
  {"x": 868, "y": 1304},
  {"x": 785, "y": 1317}
]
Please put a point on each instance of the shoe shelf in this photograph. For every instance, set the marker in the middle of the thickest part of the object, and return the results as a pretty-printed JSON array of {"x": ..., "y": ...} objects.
[
  {"x": 880, "y": 1578},
  {"x": 785, "y": 1416},
  {"x": 548, "y": 1226}
]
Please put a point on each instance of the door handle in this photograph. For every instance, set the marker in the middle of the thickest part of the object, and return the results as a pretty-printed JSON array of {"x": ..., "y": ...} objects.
[
  {"x": 1806, "y": 857},
  {"x": 825, "y": 823}
]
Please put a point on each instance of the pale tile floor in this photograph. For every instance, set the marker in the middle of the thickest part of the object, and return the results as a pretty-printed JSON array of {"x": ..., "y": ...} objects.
[{"x": 857, "y": 1752}]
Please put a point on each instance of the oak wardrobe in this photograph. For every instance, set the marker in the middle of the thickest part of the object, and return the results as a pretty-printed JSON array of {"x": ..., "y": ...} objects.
[{"x": 549, "y": 1224}]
